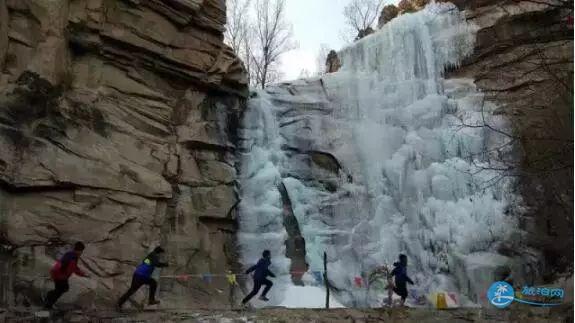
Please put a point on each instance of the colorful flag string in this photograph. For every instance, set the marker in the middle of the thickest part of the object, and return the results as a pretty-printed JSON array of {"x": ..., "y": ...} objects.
[
  {"x": 318, "y": 277},
  {"x": 232, "y": 279},
  {"x": 358, "y": 281}
]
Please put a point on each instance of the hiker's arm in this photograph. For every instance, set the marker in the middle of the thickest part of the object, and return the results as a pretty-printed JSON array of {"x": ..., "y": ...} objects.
[
  {"x": 271, "y": 274},
  {"x": 65, "y": 262},
  {"x": 80, "y": 272},
  {"x": 157, "y": 263},
  {"x": 408, "y": 279},
  {"x": 252, "y": 268},
  {"x": 161, "y": 264}
]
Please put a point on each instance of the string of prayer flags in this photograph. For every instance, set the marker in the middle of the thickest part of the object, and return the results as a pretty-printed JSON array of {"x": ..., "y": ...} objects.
[
  {"x": 183, "y": 278},
  {"x": 358, "y": 281},
  {"x": 207, "y": 278},
  {"x": 231, "y": 279},
  {"x": 318, "y": 277}
]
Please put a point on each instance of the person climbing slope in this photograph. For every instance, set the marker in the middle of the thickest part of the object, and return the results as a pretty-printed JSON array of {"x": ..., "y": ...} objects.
[
  {"x": 261, "y": 272},
  {"x": 401, "y": 279},
  {"x": 61, "y": 272},
  {"x": 142, "y": 276}
]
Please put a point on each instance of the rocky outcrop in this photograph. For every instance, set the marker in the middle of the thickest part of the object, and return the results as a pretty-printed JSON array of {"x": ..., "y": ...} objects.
[
  {"x": 523, "y": 61},
  {"x": 387, "y": 13},
  {"x": 117, "y": 127},
  {"x": 363, "y": 33},
  {"x": 332, "y": 63}
]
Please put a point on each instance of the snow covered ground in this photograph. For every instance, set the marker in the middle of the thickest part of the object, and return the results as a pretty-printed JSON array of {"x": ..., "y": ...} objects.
[{"x": 307, "y": 297}]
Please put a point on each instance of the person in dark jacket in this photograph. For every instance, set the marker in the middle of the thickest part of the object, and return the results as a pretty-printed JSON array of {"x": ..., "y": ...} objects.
[
  {"x": 261, "y": 272},
  {"x": 143, "y": 276},
  {"x": 61, "y": 272},
  {"x": 401, "y": 278}
]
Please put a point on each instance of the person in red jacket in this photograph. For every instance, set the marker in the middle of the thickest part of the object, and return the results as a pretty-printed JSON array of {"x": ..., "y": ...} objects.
[{"x": 61, "y": 271}]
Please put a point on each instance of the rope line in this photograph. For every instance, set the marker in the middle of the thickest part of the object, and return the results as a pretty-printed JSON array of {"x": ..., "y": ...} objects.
[{"x": 168, "y": 276}]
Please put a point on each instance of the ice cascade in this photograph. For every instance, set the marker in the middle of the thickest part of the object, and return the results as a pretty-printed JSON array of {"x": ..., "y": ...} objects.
[{"x": 378, "y": 159}]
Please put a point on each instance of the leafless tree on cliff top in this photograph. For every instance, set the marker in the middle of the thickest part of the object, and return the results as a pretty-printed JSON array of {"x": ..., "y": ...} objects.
[
  {"x": 272, "y": 38},
  {"x": 237, "y": 23},
  {"x": 361, "y": 15},
  {"x": 239, "y": 32}
]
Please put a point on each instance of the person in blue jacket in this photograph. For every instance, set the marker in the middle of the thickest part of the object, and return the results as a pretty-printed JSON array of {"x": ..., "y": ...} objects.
[
  {"x": 142, "y": 276},
  {"x": 401, "y": 278},
  {"x": 261, "y": 272}
]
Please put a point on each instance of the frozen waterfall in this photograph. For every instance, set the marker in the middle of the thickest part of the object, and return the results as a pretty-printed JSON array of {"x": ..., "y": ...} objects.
[{"x": 376, "y": 161}]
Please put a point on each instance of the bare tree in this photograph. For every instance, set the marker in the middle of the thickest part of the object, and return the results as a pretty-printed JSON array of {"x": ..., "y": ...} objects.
[
  {"x": 537, "y": 151},
  {"x": 272, "y": 38},
  {"x": 239, "y": 32},
  {"x": 361, "y": 15},
  {"x": 321, "y": 58},
  {"x": 237, "y": 25}
]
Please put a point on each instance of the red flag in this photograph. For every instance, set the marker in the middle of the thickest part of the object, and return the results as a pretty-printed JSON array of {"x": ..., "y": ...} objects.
[
  {"x": 358, "y": 281},
  {"x": 183, "y": 278}
]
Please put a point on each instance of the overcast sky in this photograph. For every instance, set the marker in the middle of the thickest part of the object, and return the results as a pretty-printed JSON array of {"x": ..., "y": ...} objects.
[{"x": 314, "y": 22}]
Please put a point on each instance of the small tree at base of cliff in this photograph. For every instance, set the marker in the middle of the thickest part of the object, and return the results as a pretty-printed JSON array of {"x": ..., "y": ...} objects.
[{"x": 272, "y": 38}]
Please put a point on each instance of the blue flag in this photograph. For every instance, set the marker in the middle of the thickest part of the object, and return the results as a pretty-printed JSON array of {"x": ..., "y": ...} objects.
[
  {"x": 207, "y": 278},
  {"x": 318, "y": 277}
]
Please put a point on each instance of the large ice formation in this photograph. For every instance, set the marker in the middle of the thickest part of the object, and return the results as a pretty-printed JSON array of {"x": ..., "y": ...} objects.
[{"x": 378, "y": 159}]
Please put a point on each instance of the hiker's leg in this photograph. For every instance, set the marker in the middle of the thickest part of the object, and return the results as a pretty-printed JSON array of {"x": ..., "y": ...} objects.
[
  {"x": 60, "y": 287},
  {"x": 403, "y": 293},
  {"x": 136, "y": 284},
  {"x": 255, "y": 290},
  {"x": 268, "y": 284},
  {"x": 153, "y": 286}
]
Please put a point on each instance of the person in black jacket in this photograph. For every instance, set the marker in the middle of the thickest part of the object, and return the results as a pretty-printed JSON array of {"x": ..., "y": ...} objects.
[
  {"x": 261, "y": 272},
  {"x": 401, "y": 278},
  {"x": 143, "y": 276}
]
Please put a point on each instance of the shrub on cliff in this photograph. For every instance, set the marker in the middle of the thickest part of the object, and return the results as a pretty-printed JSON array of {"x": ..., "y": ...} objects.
[{"x": 387, "y": 13}]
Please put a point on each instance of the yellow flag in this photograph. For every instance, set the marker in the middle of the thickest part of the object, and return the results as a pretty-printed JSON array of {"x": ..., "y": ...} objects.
[
  {"x": 231, "y": 279},
  {"x": 441, "y": 301}
]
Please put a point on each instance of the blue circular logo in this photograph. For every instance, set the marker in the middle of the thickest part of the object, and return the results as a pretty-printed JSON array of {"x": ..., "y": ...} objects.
[{"x": 500, "y": 294}]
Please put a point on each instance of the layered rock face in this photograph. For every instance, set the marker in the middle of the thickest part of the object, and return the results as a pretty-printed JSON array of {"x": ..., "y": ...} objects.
[
  {"x": 523, "y": 62},
  {"x": 117, "y": 128}
]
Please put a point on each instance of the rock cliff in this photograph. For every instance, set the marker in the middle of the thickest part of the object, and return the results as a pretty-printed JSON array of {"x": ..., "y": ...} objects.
[
  {"x": 523, "y": 61},
  {"x": 117, "y": 127}
]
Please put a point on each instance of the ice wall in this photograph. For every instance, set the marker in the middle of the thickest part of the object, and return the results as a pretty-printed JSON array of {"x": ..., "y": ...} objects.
[{"x": 414, "y": 173}]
